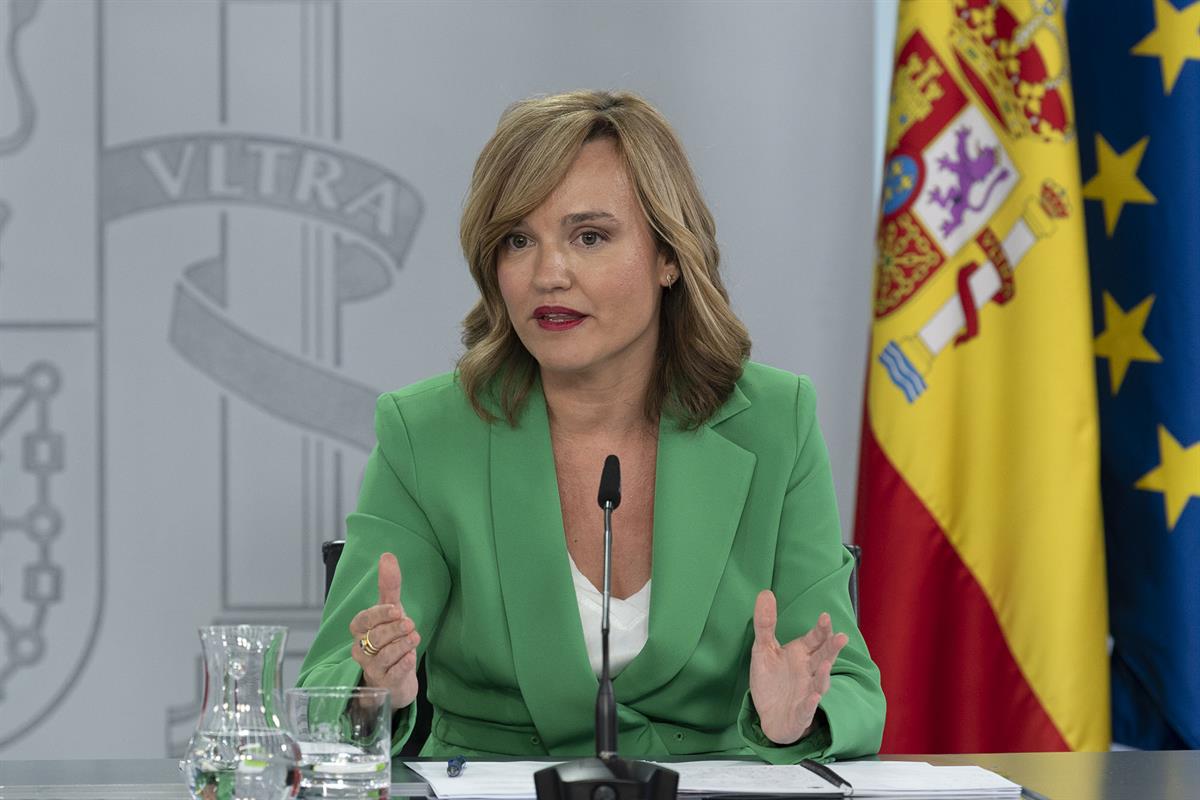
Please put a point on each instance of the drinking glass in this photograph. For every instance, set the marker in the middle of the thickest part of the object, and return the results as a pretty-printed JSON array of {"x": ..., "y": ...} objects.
[{"x": 345, "y": 739}]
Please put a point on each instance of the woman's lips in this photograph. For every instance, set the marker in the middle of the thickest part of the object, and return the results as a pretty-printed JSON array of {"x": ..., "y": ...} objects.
[{"x": 557, "y": 318}]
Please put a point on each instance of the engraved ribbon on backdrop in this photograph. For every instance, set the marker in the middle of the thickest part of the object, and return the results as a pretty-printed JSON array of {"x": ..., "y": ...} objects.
[
  {"x": 20, "y": 14},
  {"x": 377, "y": 210},
  {"x": 14, "y": 16}
]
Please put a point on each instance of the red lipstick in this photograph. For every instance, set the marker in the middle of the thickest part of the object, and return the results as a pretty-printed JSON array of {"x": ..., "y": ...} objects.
[{"x": 557, "y": 318}]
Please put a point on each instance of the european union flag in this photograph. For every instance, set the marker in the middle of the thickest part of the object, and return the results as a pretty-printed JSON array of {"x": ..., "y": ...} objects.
[{"x": 1136, "y": 73}]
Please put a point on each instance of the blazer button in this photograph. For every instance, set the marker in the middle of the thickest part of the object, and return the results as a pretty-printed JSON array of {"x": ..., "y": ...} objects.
[{"x": 534, "y": 740}]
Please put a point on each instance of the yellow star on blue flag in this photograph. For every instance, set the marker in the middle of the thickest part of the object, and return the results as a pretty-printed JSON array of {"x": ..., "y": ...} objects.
[{"x": 1136, "y": 96}]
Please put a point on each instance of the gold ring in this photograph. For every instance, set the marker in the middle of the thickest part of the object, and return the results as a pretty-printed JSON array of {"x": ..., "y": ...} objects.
[{"x": 367, "y": 647}]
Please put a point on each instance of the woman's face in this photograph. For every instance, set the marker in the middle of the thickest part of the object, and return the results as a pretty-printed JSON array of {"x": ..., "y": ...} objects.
[{"x": 581, "y": 276}]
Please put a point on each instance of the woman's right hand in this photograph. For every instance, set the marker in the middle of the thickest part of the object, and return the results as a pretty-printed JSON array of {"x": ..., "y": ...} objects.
[{"x": 393, "y": 635}]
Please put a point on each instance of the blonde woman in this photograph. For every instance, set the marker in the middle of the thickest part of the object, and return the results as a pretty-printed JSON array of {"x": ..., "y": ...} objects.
[{"x": 602, "y": 327}]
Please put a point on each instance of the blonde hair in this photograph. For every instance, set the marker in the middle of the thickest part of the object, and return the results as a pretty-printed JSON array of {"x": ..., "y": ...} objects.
[{"x": 702, "y": 344}]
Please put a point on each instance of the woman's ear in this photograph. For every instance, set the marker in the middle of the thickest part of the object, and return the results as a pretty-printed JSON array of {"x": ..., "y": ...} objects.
[{"x": 668, "y": 270}]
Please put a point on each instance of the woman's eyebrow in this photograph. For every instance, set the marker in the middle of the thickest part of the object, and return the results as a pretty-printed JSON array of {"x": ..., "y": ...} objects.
[{"x": 586, "y": 216}]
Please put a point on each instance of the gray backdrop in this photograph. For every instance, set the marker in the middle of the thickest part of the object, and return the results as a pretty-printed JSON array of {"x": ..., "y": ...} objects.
[{"x": 226, "y": 225}]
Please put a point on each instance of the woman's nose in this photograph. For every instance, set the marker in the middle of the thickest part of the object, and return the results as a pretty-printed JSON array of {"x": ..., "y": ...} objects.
[{"x": 550, "y": 269}]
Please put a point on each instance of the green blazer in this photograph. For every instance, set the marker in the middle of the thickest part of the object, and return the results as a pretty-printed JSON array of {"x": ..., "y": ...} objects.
[{"x": 471, "y": 510}]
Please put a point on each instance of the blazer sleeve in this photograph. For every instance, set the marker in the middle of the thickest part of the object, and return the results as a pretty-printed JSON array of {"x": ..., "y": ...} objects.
[
  {"x": 388, "y": 518},
  {"x": 812, "y": 572}
]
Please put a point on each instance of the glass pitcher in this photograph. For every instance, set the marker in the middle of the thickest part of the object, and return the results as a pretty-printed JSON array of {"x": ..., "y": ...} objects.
[{"x": 241, "y": 749}]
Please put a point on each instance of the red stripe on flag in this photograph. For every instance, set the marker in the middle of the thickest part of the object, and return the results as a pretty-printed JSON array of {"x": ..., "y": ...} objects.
[{"x": 951, "y": 682}]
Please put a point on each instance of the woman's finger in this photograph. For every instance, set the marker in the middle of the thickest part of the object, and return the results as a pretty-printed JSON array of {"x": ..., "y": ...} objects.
[
  {"x": 385, "y": 634},
  {"x": 373, "y": 617},
  {"x": 406, "y": 664},
  {"x": 389, "y": 580},
  {"x": 397, "y": 649},
  {"x": 765, "y": 618},
  {"x": 372, "y": 675},
  {"x": 376, "y": 668},
  {"x": 817, "y": 634},
  {"x": 830, "y": 648}
]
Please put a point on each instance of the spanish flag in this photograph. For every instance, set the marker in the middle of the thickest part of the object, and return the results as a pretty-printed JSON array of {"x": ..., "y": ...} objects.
[{"x": 983, "y": 585}]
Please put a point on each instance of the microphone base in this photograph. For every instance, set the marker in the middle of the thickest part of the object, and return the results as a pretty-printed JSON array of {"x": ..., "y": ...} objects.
[{"x": 606, "y": 779}]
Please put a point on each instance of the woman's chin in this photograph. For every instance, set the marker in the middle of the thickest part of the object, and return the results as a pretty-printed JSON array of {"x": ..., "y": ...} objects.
[{"x": 558, "y": 364}]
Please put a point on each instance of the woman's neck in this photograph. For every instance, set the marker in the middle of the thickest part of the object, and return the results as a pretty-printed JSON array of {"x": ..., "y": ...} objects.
[{"x": 612, "y": 406}]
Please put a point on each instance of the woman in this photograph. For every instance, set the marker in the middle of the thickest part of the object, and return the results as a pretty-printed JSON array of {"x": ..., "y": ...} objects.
[{"x": 602, "y": 327}]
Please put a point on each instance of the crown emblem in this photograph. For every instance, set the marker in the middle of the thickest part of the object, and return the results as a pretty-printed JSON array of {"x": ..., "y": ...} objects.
[
  {"x": 1018, "y": 68},
  {"x": 1054, "y": 200}
]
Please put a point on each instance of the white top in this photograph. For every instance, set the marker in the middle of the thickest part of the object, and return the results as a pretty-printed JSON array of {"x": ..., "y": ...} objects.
[{"x": 628, "y": 622}]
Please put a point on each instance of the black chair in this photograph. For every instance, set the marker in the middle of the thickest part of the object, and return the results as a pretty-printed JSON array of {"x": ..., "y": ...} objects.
[
  {"x": 330, "y": 553},
  {"x": 855, "y": 551}
]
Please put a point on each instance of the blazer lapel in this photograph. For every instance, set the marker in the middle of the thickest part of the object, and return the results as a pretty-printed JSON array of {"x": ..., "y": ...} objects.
[
  {"x": 701, "y": 484},
  {"x": 549, "y": 653}
]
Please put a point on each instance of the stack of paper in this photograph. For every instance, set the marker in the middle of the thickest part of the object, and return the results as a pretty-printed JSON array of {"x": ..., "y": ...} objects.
[
  {"x": 865, "y": 779},
  {"x": 486, "y": 780},
  {"x": 918, "y": 779},
  {"x": 513, "y": 780},
  {"x": 747, "y": 777}
]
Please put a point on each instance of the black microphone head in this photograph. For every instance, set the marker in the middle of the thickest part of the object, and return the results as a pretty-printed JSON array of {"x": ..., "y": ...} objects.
[{"x": 610, "y": 482}]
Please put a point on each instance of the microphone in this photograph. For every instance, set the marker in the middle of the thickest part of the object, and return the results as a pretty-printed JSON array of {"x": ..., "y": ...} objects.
[
  {"x": 607, "y": 776},
  {"x": 610, "y": 484},
  {"x": 606, "y": 705}
]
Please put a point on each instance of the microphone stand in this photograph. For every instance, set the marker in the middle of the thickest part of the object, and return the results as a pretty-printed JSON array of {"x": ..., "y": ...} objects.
[
  {"x": 607, "y": 776},
  {"x": 606, "y": 704}
]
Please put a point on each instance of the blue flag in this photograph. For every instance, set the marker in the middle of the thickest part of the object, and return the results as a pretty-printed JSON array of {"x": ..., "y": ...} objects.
[{"x": 1136, "y": 74}]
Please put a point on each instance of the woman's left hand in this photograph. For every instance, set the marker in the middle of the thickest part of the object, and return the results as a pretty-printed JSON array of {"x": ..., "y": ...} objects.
[{"x": 787, "y": 681}]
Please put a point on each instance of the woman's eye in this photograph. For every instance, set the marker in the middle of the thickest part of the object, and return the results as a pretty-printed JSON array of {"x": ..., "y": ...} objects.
[
  {"x": 518, "y": 241},
  {"x": 590, "y": 238}
]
